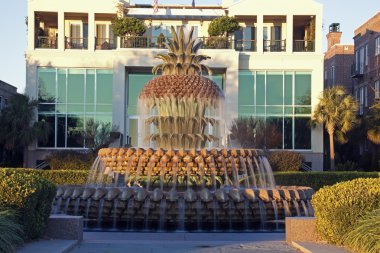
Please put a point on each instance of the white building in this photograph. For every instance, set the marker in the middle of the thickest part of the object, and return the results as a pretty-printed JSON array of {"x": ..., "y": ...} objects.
[{"x": 271, "y": 69}]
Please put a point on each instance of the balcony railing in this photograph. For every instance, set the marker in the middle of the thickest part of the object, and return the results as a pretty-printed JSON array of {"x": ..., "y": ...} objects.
[
  {"x": 75, "y": 43},
  {"x": 304, "y": 46},
  {"x": 105, "y": 43},
  {"x": 46, "y": 42},
  {"x": 356, "y": 73},
  {"x": 216, "y": 42},
  {"x": 274, "y": 45},
  {"x": 246, "y": 45}
]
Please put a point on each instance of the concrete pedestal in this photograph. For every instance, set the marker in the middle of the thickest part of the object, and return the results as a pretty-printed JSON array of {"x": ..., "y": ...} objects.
[{"x": 65, "y": 227}]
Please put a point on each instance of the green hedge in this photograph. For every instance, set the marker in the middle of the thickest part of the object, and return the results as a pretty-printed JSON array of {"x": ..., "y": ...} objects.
[
  {"x": 57, "y": 177},
  {"x": 29, "y": 195},
  {"x": 338, "y": 208},
  {"x": 317, "y": 180}
]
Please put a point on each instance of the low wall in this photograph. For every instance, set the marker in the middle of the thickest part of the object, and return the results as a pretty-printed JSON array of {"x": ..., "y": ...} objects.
[{"x": 65, "y": 227}]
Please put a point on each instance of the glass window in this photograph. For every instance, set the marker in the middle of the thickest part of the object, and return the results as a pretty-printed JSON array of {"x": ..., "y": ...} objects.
[
  {"x": 246, "y": 93},
  {"x": 273, "y": 133},
  {"x": 75, "y": 130},
  {"x": 288, "y": 133},
  {"x": 133, "y": 132},
  {"x": 260, "y": 88},
  {"x": 302, "y": 133},
  {"x": 61, "y": 130},
  {"x": 302, "y": 88},
  {"x": 50, "y": 120},
  {"x": 377, "y": 45},
  {"x": 274, "y": 90},
  {"x": 75, "y": 86},
  {"x": 136, "y": 83},
  {"x": 46, "y": 85},
  {"x": 104, "y": 84},
  {"x": 90, "y": 86},
  {"x": 61, "y": 75},
  {"x": 288, "y": 99},
  {"x": 377, "y": 89}
]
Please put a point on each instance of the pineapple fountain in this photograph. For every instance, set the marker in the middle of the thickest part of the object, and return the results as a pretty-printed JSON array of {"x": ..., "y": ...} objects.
[{"x": 179, "y": 185}]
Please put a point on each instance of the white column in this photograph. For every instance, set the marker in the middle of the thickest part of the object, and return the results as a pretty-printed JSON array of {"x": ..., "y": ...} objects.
[
  {"x": 91, "y": 31},
  {"x": 118, "y": 98},
  {"x": 260, "y": 34},
  {"x": 31, "y": 30},
  {"x": 318, "y": 33},
  {"x": 61, "y": 31},
  {"x": 289, "y": 33}
]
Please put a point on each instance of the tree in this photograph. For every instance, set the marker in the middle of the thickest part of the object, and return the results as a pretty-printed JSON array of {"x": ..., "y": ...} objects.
[
  {"x": 337, "y": 111},
  {"x": 222, "y": 26},
  {"x": 128, "y": 26},
  {"x": 16, "y": 128},
  {"x": 373, "y": 128},
  {"x": 98, "y": 134}
]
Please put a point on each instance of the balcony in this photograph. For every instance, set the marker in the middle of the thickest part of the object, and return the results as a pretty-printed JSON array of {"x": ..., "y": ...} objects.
[
  {"x": 246, "y": 45},
  {"x": 356, "y": 72},
  {"x": 46, "y": 42},
  {"x": 105, "y": 43},
  {"x": 274, "y": 45},
  {"x": 303, "y": 46},
  {"x": 75, "y": 43}
]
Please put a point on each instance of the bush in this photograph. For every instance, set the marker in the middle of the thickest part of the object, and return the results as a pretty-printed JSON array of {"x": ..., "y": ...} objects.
[
  {"x": 223, "y": 26},
  {"x": 128, "y": 25},
  {"x": 68, "y": 160},
  {"x": 317, "y": 180},
  {"x": 365, "y": 238},
  {"x": 339, "y": 207},
  {"x": 285, "y": 161},
  {"x": 57, "y": 177},
  {"x": 30, "y": 196},
  {"x": 11, "y": 232}
]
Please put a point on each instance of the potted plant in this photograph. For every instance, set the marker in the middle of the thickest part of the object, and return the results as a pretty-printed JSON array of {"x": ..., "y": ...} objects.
[{"x": 219, "y": 30}]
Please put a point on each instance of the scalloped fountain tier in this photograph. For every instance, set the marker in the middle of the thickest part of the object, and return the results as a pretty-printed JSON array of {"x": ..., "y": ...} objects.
[{"x": 197, "y": 190}]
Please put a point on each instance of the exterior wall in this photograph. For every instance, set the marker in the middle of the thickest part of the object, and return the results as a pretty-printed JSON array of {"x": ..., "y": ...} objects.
[
  {"x": 366, "y": 34},
  {"x": 232, "y": 61},
  {"x": 341, "y": 57}
]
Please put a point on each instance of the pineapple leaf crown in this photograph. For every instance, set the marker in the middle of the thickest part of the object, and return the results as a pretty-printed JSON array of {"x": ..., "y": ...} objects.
[{"x": 182, "y": 58}]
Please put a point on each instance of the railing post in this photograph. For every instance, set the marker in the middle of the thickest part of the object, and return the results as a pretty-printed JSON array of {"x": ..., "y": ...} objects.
[{"x": 289, "y": 34}]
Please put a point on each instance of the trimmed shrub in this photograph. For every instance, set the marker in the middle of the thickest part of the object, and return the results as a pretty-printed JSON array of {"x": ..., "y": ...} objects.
[
  {"x": 68, "y": 160},
  {"x": 365, "y": 238},
  {"x": 57, "y": 177},
  {"x": 339, "y": 207},
  {"x": 285, "y": 161},
  {"x": 11, "y": 232},
  {"x": 30, "y": 196},
  {"x": 317, "y": 180},
  {"x": 223, "y": 25}
]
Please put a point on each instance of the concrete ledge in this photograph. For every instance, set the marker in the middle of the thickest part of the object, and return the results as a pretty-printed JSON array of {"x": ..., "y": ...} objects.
[
  {"x": 300, "y": 229},
  {"x": 65, "y": 227}
]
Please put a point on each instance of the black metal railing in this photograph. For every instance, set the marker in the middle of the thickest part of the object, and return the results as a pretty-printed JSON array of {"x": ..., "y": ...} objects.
[
  {"x": 246, "y": 45},
  {"x": 356, "y": 71},
  {"x": 47, "y": 42},
  {"x": 274, "y": 45},
  {"x": 135, "y": 42},
  {"x": 303, "y": 46},
  {"x": 105, "y": 43},
  {"x": 216, "y": 42},
  {"x": 75, "y": 43}
]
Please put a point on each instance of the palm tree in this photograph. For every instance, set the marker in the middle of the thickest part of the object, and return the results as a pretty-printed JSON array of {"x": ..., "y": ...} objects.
[
  {"x": 16, "y": 128},
  {"x": 373, "y": 128},
  {"x": 337, "y": 111},
  {"x": 181, "y": 96}
]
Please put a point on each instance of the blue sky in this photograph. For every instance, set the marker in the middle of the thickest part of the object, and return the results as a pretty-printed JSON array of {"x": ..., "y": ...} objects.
[{"x": 13, "y": 41}]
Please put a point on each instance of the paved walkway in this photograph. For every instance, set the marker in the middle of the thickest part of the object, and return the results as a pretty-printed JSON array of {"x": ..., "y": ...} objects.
[{"x": 114, "y": 242}]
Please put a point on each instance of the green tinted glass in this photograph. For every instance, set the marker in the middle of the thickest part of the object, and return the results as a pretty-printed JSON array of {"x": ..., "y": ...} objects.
[
  {"x": 90, "y": 87},
  {"x": 246, "y": 88},
  {"x": 288, "y": 133},
  {"x": 302, "y": 88},
  {"x": 288, "y": 92},
  {"x": 46, "y": 85},
  {"x": 274, "y": 88},
  {"x": 302, "y": 133},
  {"x": 136, "y": 83},
  {"x": 61, "y": 86},
  {"x": 75, "y": 86},
  {"x": 104, "y": 82},
  {"x": 133, "y": 132},
  {"x": 260, "y": 88}
]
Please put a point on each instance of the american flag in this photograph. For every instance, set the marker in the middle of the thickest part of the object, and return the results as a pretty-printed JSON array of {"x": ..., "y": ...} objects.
[{"x": 155, "y": 6}]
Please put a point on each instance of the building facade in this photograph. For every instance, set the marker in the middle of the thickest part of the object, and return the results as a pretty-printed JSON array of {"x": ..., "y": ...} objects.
[
  {"x": 366, "y": 67},
  {"x": 6, "y": 92},
  {"x": 272, "y": 68},
  {"x": 338, "y": 60}
]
